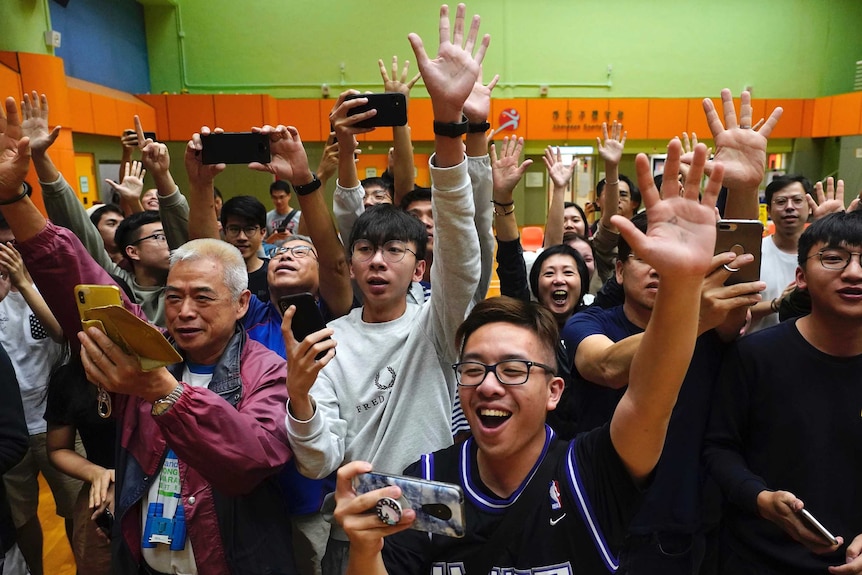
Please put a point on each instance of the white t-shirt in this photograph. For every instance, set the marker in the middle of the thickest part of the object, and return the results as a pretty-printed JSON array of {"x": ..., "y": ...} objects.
[
  {"x": 777, "y": 269},
  {"x": 33, "y": 354}
]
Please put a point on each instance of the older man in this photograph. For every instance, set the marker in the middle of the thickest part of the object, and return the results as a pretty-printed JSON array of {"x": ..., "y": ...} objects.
[{"x": 200, "y": 441}]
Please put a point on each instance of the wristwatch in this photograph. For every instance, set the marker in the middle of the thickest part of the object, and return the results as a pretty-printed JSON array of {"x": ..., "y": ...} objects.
[
  {"x": 451, "y": 129},
  {"x": 162, "y": 405},
  {"x": 308, "y": 188},
  {"x": 478, "y": 128}
]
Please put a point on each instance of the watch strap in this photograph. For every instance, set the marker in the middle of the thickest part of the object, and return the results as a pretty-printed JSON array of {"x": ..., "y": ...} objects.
[
  {"x": 308, "y": 188},
  {"x": 451, "y": 129},
  {"x": 478, "y": 128},
  {"x": 162, "y": 405}
]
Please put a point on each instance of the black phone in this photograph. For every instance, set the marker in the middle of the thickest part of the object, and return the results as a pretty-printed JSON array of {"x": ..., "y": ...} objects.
[
  {"x": 391, "y": 109},
  {"x": 235, "y": 148},
  {"x": 147, "y": 135},
  {"x": 307, "y": 318},
  {"x": 740, "y": 237},
  {"x": 105, "y": 522}
]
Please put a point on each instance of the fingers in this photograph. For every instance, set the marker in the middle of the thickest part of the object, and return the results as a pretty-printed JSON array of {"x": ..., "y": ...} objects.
[
  {"x": 745, "y": 110},
  {"x": 728, "y": 110},
  {"x": 383, "y": 73},
  {"x": 712, "y": 118},
  {"x": 444, "y": 23},
  {"x": 139, "y": 130},
  {"x": 770, "y": 123},
  {"x": 474, "y": 33},
  {"x": 493, "y": 82}
]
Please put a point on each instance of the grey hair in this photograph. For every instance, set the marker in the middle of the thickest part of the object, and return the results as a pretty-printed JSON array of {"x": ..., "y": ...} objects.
[
  {"x": 298, "y": 237},
  {"x": 235, "y": 273}
]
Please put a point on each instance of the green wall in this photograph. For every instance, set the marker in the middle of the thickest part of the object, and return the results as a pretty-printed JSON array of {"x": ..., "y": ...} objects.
[
  {"x": 22, "y": 26},
  {"x": 661, "y": 48}
]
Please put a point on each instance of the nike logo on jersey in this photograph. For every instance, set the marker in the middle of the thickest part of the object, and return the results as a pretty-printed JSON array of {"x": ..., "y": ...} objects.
[{"x": 557, "y": 520}]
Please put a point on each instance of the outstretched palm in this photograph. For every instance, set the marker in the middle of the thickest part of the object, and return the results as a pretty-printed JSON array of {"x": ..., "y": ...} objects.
[{"x": 35, "y": 124}]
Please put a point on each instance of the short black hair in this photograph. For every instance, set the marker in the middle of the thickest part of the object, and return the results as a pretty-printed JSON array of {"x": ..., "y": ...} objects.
[
  {"x": 565, "y": 250},
  {"x": 376, "y": 181},
  {"x": 833, "y": 231},
  {"x": 624, "y": 250},
  {"x": 98, "y": 214},
  {"x": 781, "y": 182},
  {"x": 417, "y": 194},
  {"x": 635, "y": 192},
  {"x": 247, "y": 208},
  {"x": 279, "y": 185},
  {"x": 127, "y": 231},
  {"x": 384, "y": 222}
]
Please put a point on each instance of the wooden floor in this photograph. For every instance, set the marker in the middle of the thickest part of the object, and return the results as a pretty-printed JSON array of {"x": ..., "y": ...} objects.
[{"x": 55, "y": 547}]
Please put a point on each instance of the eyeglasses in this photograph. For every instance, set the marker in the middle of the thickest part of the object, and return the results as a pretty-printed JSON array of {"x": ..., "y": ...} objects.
[
  {"x": 836, "y": 258},
  {"x": 508, "y": 372},
  {"x": 159, "y": 237},
  {"x": 298, "y": 252},
  {"x": 235, "y": 230},
  {"x": 781, "y": 201},
  {"x": 393, "y": 251}
]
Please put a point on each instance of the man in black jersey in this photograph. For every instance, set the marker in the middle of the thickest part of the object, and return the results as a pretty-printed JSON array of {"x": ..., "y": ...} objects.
[{"x": 535, "y": 504}]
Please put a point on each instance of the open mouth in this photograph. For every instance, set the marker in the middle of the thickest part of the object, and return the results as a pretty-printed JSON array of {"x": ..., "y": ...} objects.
[
  {"x": 560, "y": 296},
  {"x": 493, "y": 418}
]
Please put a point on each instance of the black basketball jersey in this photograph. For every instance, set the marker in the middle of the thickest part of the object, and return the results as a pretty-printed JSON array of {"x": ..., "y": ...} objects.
[{"x": 569, "y": 515}]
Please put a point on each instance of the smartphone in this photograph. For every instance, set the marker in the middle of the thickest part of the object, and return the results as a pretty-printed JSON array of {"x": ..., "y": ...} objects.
[
  {"x": 391, "y": 109},
  {"x": 235, "y": 148},
  {"x": 740, "y": 237},
  {"x": 439, "y": 506},
  {"x": 147, "y": 135},
  {"x": 307, "y": 318},
  {"x": 817, "y": 526},
  {"x": 105, "y": 522},
  {"x": 88, "y": 296}
]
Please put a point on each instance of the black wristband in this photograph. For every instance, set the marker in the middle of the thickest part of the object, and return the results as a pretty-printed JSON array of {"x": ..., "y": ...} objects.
[
  {"x": 478, "y": 128},
  {"x": 308, "y": 188},
  {"x": 19, "y": 197},
  {"x": 501, "y": 204},
  {"x": 451, "y": 129}
]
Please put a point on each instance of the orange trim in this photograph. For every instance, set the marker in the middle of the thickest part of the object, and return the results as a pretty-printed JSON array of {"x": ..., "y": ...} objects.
[
  {"x": 846, "y": 114},
  {"x": 667, "y": 118},
  {"x": 790, "y": 124},
  {"x": 822, "y": 117},
  {"x": 635, "y": 116},
  {"x": 238, "y": 113},
  {"x": 547, "y": 119},
  {"x": 187, "y": 113},
  {"x": 304, "y": 115},
  {"x": 159, "y": 104}
]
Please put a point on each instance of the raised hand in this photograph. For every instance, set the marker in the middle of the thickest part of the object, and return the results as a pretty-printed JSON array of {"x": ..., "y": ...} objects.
[
  {"x": 14, "y": 152},
  {"x": 289, "y": 160},
  {"x": 559, "y": 173},
  {"x": 34, "y": 108},
  {"x": 451, "y": 76},
  {"x": 344, "y": 125},
  {"x": 681, "y": 231},
  {"x": 13, "y": 265},
  {"x": 302, "y": 363},
  {"x": 200, "y": 174},
  {"x": 154, "y": 155},
  {"x": 329, "y": 160},
  {"x": 477, "y": 107},
  {"x": 394, "y": 83},
  {"x": 827, "y": 203},
  {"x": 611, "y": 149},
  {"x": 505, "y": 170},
  {"x": 133, "y": 182},
  {"x": 739, "y": 146}
]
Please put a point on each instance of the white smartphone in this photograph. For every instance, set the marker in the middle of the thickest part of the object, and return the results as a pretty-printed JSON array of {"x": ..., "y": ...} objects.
[
  {"x": 439, "y": 506},
  {"x": 818, "y": 527}
]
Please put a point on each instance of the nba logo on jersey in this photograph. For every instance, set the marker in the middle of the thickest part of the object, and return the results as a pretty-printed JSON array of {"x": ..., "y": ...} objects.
[{"x": 554, "y": 492}]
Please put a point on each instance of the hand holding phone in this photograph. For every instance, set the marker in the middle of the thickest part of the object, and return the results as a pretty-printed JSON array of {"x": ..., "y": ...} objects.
[
  {"x": 307, "y": 319},
  {"x": 740, "y": 237},
  {"x": 235, "y": 148},
  {"x": 391, "y": 109},
  {"x": 814, "y": 525}
]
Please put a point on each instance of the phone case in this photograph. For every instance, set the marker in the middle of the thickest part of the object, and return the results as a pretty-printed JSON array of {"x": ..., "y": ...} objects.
[
  {"x": 307, "y": 318},
  {"x": 740, "y": 237},
  {"x": 439, "y": 506},
  {"x": 235, "y": 148},
  {"x": 88, "y": 296},
  {"x": 391, "y": 109},
  {"x": 817, "y": 526}
]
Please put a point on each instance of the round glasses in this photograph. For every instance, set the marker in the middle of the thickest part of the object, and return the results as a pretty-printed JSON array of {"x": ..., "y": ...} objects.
[
  {"x": 298, "y": 252},
  {"x": 159, "y": 237},
  {"x": 508, "y": 372},
  {"x": 782, "y": 201},
  {"x": 393, "y": 251},
  {"x": 836, "y": 258},
  {"x": 234, "y": 231}
]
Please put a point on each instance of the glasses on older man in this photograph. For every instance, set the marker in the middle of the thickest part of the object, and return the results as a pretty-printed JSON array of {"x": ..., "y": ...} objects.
[
  {"x": 393, "y": 250},
  {"x": 836, "y": 259},
  {"x": 508, "y": 372},
  {"x": 296, "y": 251}
]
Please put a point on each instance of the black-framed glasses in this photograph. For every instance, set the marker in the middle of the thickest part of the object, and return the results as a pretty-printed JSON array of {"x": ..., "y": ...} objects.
[
  {"x": 234, "y": 231},
  {"x": 507, "y": 372},
  {"x": 781, "y": 201},
  {"x": 298, "y": 252},
  {"x": 159, "y": 237},
  {"x": 836, "y": 259},
  {"x": 393, "y": 250}
]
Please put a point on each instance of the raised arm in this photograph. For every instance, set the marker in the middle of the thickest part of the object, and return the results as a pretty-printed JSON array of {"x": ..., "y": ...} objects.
[
  {"x": 290, "y": 163},
  {"x": 678, "y": 245},
  {"x": 403, "y": 169},
  {"x": 11, "y": 260},
  {"x": 202, "y": 221},
  {"x": 560, "y": 175},
  {"x": 130, "y": 187}
]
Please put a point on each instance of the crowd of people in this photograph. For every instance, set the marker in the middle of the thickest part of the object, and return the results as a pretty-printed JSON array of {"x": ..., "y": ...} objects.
[{"x": 621, "y": 407}]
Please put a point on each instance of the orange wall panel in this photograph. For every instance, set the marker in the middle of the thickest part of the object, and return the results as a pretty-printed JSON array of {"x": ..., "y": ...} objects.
[
  {"x": 585, "y": 116},
  {"x": 10, "y": 60},
  {"x": 697, "y": 118},
  {"x": 126, "y": 112},
  {"x": 105, "y": 119},
  {"x": 238, "y": 112},
  {"x": 822, "y": 116},
  {"x": 81, "y": 103},
  {"x": 304, "y": 115},
  {"x": 547, "y": 119},
  {"x": 11, "y": 83},
  {"x": 420, "y": 117},
  {"x": 846, "y": 111},
  {"x": 270, "y": 110},
  {"x": 807, "y": 118},
  {"x": 667, "y": 118},
  {"x": 45, "y": 75},
  {"x": 790, "y": 124},
  {"x": 634, "y": 115},
  {"x": 159, "y": 105},
  {"x": 187, "y": 113},
  {"x": 512, "y": 113}
]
